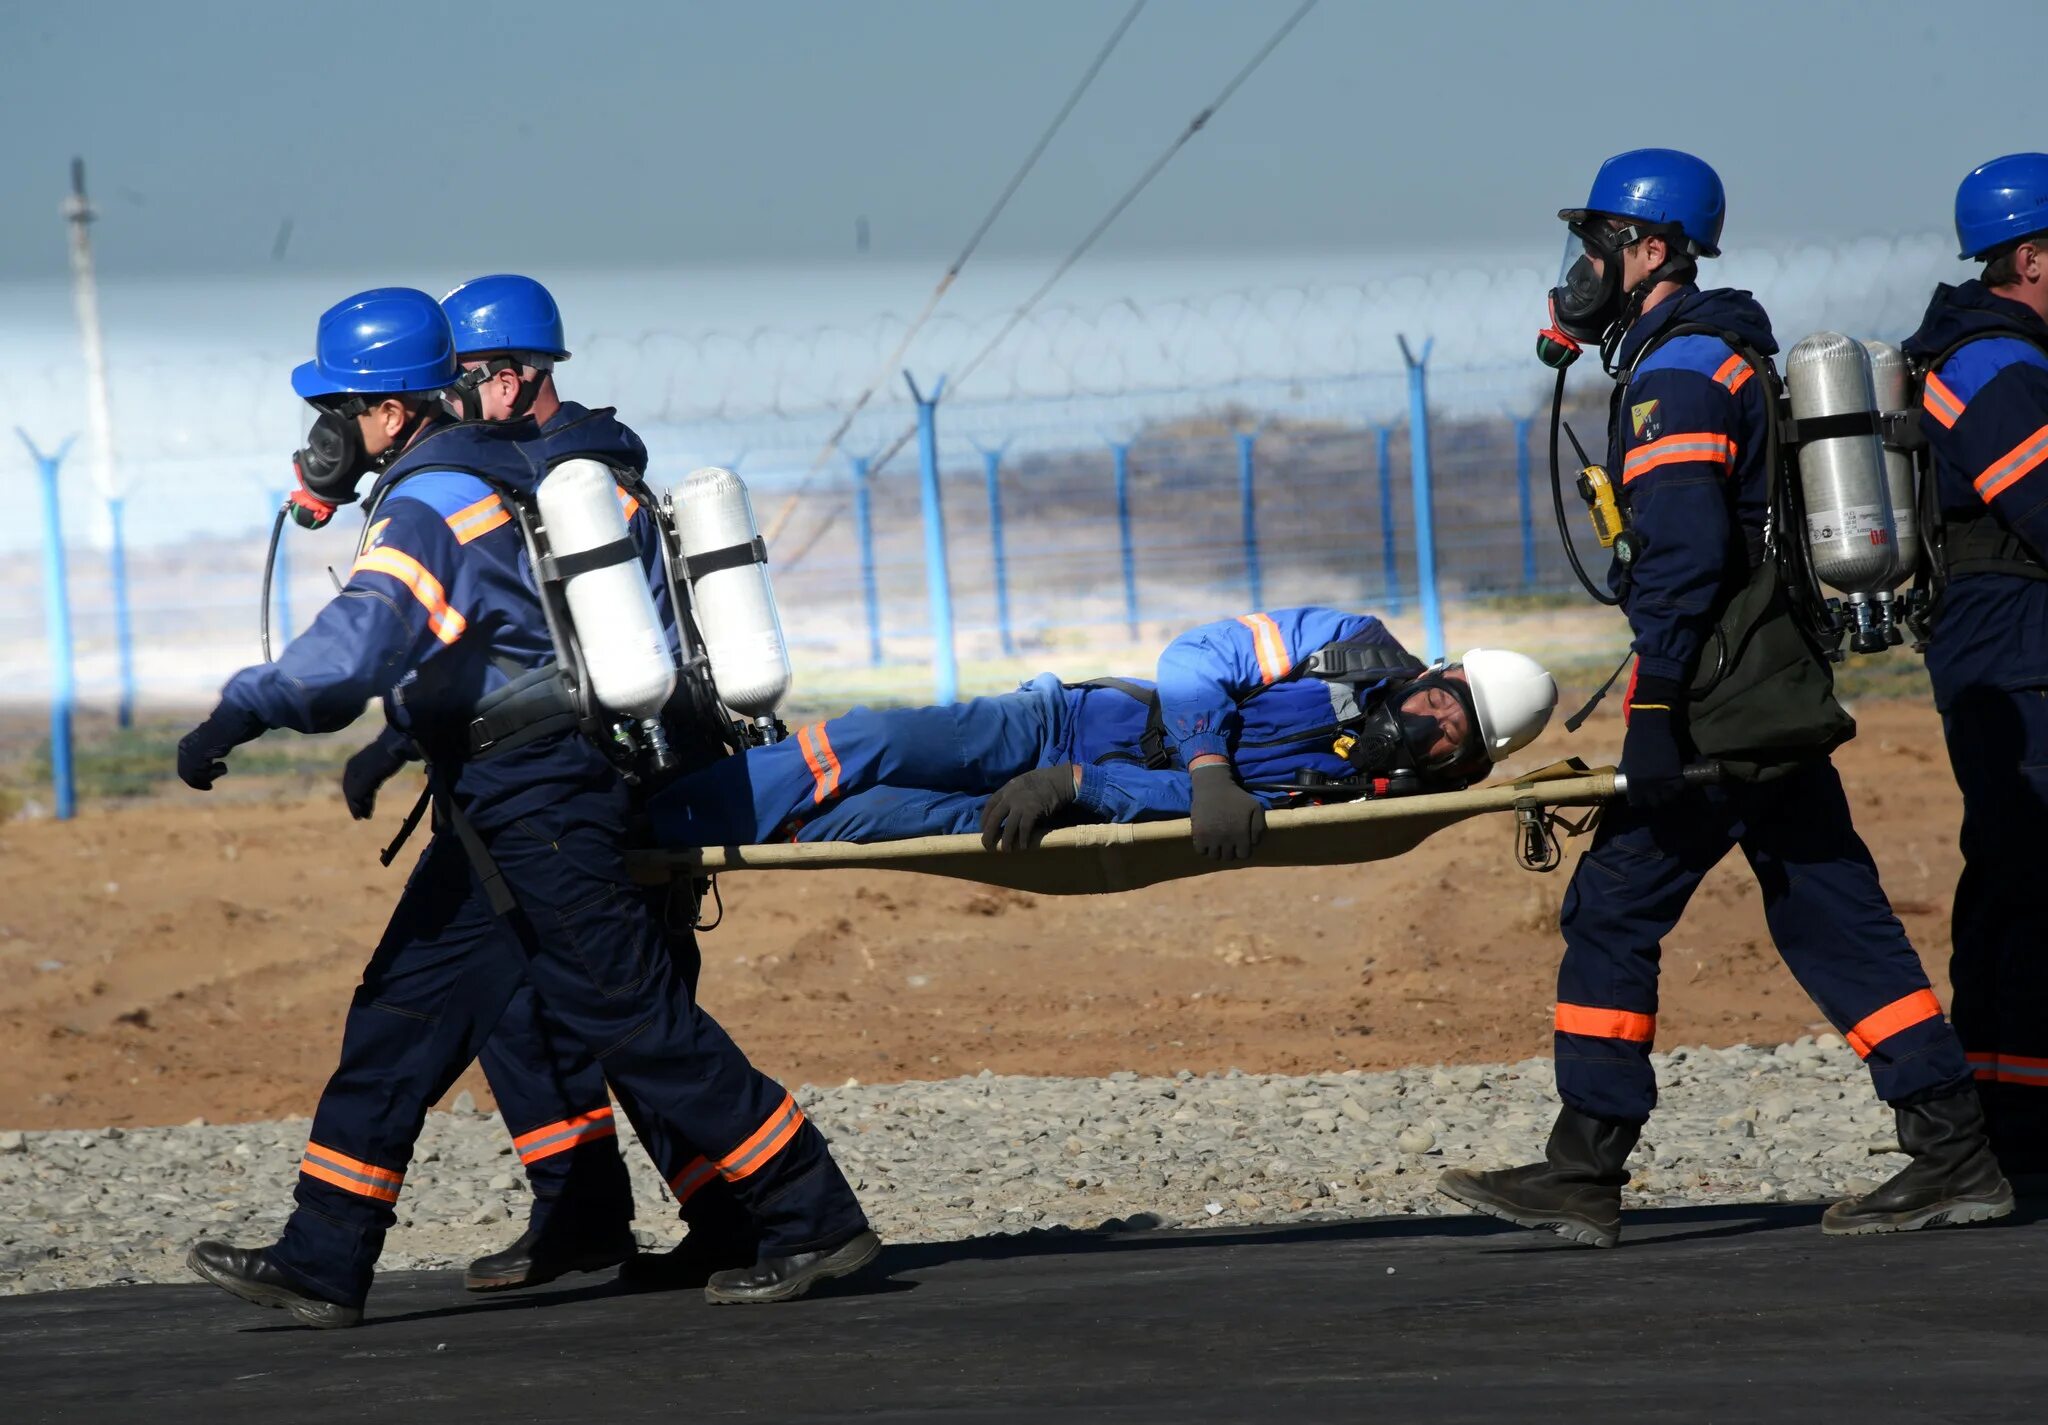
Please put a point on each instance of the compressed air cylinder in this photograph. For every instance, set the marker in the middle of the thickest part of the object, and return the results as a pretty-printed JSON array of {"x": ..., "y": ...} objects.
[
  {"x": 1889, "y": 379},
  {"x": 625, "y": 652},
  {"x": 1849, "y": 524},
  {"x": 729, "y": 587}
]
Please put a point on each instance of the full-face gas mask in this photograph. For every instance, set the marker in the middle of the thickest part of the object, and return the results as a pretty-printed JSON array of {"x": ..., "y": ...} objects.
[
  {"x": 1400, "y": 733},
  {"x": 332, "y": 463},
  {"x": 1588, "y": 306}
]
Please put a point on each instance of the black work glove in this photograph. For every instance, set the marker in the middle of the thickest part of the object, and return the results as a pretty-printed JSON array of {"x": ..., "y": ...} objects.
[
  {"x": 1228, "y": 819},
  {"x": 370, "y": 769},
  {"x": 200, "y": 750},
  {"x": 1023, "y": 806},
  {"x": 1650, "y": 755}
]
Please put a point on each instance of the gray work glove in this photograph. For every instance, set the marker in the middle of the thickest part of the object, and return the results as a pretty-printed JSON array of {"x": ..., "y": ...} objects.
[
  {"x": 1025, "y": 805},
  {"x": 1228, "y": 819}
]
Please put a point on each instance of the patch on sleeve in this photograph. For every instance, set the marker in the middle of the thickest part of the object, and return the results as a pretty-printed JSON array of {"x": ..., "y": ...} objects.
[
  {"x": 1646, "y": 420},
  {"x": 371, "y": 535}
]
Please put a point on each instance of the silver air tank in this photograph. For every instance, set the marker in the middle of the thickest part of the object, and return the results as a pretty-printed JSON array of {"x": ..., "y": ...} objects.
[
  {"x": 1890, "y": 379},
  {"x": 1849, "y": 524}
]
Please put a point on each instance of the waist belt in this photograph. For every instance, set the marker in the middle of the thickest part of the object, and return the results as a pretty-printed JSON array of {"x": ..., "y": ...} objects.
[
  {"x": 531, "y": 706},
  {"x": 1152, "y": 741},
  {"x": 1979, "y": 544}
]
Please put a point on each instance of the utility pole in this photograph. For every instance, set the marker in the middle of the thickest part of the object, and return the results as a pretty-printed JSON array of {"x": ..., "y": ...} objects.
[{"x": 99, "y": 427}]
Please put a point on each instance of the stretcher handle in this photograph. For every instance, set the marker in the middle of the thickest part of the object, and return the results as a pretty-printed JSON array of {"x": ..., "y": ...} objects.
[{"x": 1696, "y": 774}]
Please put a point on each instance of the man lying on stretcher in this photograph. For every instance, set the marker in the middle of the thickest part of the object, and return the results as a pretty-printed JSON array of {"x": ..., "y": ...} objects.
[{"x": 1308, "y": 704}]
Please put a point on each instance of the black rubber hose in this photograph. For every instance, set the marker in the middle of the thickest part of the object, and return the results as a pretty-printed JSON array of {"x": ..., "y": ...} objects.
[
  {"x": 270, "y": 568},
  {"x": 1564, "y": 530}
]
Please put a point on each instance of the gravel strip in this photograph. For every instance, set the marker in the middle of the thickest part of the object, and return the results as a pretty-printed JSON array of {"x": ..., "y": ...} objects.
[{"x": 971, "y": 1157}]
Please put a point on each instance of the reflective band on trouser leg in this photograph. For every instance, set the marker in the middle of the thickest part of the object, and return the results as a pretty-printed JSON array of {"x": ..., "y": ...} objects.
[
  {"x": 2011, "y": 1069},
  {"x": 1895, "y": 1018},
  {"x": 351, "y": 1174},
  {"x": 1606, "y": 1023},
  {"x": 552, "y": 1138},
  {"x": 750, "y": 1157}
]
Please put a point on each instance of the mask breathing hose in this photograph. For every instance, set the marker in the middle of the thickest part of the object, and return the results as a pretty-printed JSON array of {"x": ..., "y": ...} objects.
[
  {"x": 269, "y": 569},
  {"x": 1564, "y": 531}
]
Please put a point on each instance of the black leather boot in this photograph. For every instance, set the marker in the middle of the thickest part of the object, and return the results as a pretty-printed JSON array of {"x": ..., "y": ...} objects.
[
  {"x": 690, "y": 1263},
  {"x": 1575, "y": 1191},
  {"x": 248, "y": 1273},
  {"x": 1952, "y": 1179},
  {"x": 554, "y": 1249},
  {"x": 787, "y": 1278}
]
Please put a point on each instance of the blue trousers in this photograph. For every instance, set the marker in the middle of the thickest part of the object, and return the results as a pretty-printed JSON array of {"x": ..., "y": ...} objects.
[
  {"x": 963, "y": 752},
  {"x": 584, "y": 940},
  {"x": 1998, "y": 746},
  {"x": 552, "y": 1095},
  {"x": 1827, "y": 914}
]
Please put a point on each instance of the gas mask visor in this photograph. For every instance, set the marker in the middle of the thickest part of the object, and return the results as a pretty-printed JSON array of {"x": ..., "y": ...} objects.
[{"x": 1586, "y": 301}]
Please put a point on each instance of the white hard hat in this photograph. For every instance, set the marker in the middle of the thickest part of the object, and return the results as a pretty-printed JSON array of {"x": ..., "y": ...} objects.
[{"x": 1513, "y": 695}]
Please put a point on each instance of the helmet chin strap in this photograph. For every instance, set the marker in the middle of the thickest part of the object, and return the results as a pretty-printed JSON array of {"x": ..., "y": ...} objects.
[
  {"x": 1632, "y": 310},
  {"x": 469, "y": 388}
]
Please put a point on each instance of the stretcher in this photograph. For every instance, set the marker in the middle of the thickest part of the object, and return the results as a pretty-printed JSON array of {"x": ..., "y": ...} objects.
[{"x": 1102, "y": 859}]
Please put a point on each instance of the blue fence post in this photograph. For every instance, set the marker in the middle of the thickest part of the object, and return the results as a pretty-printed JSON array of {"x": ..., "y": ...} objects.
[
  {"x": 1127, "y": 549},
  {"x": 124, "y": 629},
  {"x": 1248, "y": 515},
  {"x": 864, "y": 520},
  {"x": 281, "y": 580},
  {"x": 57, "y": 618},
  {"x": 1425, "y": 505},
  {"x": 1390, "y": 559},
  {"x": 991, "y": 469},
  {"x": 1522, "y": 424},
  {"x": 938, "y": 581}
]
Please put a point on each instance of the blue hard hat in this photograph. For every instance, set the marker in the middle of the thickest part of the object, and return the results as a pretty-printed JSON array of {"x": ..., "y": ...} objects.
[
  {"x": 385, "y": 340},
  {"x": 505, "y": 312},
  {"x": 1660, "y": 185},
  {"x": 2001, "y": 202}
]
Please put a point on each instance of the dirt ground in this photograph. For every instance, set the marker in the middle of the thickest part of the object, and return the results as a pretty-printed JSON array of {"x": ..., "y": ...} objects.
[{"x": 186, "y": 956}]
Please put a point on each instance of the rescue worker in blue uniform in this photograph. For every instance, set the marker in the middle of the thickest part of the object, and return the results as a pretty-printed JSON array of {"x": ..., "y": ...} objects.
[
  {"x": 1302, "y": 703},
  {"x": 550, "y": 1091},
  {"x": 438, "y": 613},
  {"x": 1984, "y": 411},
  {"x": 1687, "y": 433}
]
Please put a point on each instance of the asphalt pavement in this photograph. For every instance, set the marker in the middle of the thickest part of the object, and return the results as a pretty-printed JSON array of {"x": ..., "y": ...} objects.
[{"x": 1703, "y": 1314}]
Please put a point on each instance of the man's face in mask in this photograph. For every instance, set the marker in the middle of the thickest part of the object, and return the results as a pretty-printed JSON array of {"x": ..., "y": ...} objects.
[
  {"x": 381, "y": 426},
  {"x": 1443, "y": 707},
  {"x": 1638, "y": 260}
]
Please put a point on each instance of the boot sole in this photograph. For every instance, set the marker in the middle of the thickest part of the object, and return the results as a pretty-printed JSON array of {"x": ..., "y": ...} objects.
[
  {"x": 1946, "y": 1214},
  {"x": 472, "y": 1280},
  {"x": 1572, "y": 1229},
  {"x": 846, "y": 1260},
  {"x": 320, "y": 1315}
]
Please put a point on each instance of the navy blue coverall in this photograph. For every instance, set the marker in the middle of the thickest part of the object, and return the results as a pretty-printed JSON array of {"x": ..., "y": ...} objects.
[
  {"x": 550, "y": 1090},
  {"x": 1985, "y": 413},
  {"x": 438, "y": 610},
  {"x": 1686, "y": 432},
  {"x": 1234, "y": 687}
]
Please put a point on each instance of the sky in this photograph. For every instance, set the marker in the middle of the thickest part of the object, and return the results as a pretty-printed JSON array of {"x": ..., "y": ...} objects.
[{"x": 631, "y": 133}]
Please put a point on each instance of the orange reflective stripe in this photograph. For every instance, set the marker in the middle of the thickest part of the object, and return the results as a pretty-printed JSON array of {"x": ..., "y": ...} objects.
[
  {"x": 2011, "y": 1069},
  {"x": 2014, "y": 465},
  {"x": 1902, "y": 1013},
  {"x": 1678, "y": 449},
  {"x": 560, "y": 1137},
  {"x": 1734, "y": 373},
  {"x": 351, "y": 1174},
  {"x": 444, "y": 620},
  {"x": 1271, "y": 647},
  {"x": 474, "y": 521},
  {"x": 831, "y": 760},
  {"x": 629, "y": 503},
  {"x": 819, "y": 757},
  {"x": 767, "y": 1140},
  {"x": 1940, "y": 402},
  {"x": 685, "y": 1184},
  {"x": 1606, "y": 1023}
]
